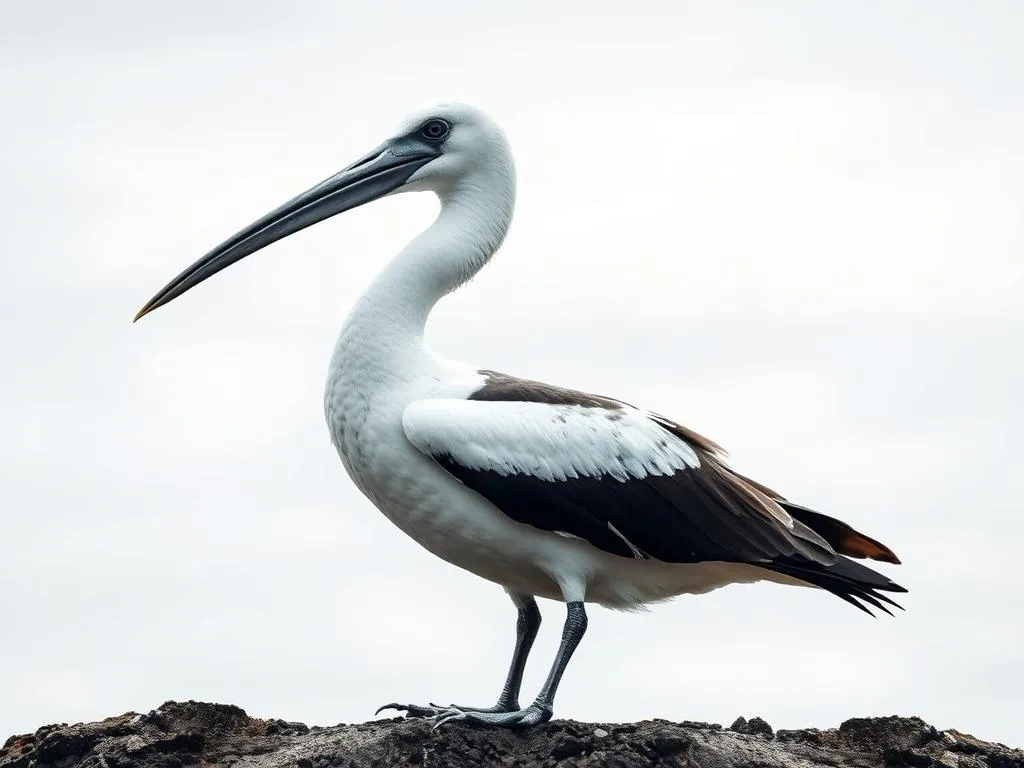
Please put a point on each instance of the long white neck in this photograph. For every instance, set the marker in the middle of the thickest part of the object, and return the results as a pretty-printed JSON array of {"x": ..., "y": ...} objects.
[{"x": 385, "y": 328}]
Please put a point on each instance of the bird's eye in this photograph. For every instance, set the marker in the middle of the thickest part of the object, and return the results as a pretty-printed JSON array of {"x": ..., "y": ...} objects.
[{"x": 435, "y": 129}]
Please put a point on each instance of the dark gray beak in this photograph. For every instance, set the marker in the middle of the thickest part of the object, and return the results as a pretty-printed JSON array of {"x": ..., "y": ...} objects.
[{"x": 373, "y": 176}]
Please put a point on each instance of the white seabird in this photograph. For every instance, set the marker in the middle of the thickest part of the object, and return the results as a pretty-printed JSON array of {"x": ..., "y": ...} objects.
[{"x": 547, "y": 491}]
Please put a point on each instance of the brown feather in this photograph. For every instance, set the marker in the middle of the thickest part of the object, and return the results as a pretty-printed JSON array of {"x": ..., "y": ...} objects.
[
  {"x": 840, "y": 536},
  {"x": 856, "y": 544}
]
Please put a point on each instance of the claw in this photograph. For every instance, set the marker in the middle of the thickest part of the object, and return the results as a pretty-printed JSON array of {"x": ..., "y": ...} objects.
[
  {"x": 448, "y": 717},
  {"x": 413, "y": 710}
]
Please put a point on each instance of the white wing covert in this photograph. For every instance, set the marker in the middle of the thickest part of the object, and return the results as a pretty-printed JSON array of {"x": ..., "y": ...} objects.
[{"x": 607, "y": 473}]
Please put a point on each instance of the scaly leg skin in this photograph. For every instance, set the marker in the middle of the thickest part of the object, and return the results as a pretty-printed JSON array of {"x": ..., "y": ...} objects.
[
  {"x": 527, "y": 625},
  {"x": 540, "y": 711}
]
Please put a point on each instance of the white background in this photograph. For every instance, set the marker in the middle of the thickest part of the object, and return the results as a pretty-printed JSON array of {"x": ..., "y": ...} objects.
[{"x": 794, "y": 227}]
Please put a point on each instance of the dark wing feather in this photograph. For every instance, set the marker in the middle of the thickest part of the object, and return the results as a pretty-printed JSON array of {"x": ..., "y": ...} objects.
[
  {"x": 840, "y": 536},
  {"x": 677, "y": 518}
]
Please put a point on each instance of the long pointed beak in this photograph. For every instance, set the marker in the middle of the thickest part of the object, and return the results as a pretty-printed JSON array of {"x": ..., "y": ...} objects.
[{"x": 373, "y": 176}]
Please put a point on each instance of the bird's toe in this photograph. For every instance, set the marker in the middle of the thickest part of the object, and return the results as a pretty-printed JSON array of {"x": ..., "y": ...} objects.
[
  {"x": 531, "y": 715},
  {"x": 415, "y": 710}
]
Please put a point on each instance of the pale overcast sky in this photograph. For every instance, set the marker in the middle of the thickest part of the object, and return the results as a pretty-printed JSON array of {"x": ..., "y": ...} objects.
[{"x": 794, "y": 227}]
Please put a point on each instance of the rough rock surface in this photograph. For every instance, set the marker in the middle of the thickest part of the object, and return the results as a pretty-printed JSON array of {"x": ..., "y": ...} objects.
[{"x": 196, "y": 734}]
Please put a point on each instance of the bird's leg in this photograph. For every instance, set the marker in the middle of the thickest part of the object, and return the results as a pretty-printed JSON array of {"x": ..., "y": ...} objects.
[
  {"x": 527, "y": 626},
  {"x": 541, "y": 709}
]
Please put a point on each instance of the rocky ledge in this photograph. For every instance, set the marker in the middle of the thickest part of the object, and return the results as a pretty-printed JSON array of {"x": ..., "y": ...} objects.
[{"x": 197, "y": 734}]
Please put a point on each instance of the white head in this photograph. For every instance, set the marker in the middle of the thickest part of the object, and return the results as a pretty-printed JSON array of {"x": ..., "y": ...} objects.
[
  {"x": 474, "y": 146},
  {"x": 451, "y": 149}
]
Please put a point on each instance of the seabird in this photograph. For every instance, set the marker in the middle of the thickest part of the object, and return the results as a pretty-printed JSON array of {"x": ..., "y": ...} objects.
[{"x": 546, "y": 491}]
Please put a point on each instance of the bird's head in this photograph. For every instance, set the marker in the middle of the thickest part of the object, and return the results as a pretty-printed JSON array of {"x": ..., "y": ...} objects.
[
  {"x": 472, "y": 142},
  {"x": 435, "y": 149}
]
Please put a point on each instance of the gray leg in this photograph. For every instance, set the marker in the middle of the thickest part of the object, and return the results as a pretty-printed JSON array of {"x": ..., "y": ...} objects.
[
  {"x": 527, "y": 625},
  {"x": 572, "y": 633},
  {"x": 541, "y": 709}
]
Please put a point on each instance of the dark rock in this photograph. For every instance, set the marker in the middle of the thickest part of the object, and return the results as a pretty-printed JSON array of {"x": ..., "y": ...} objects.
[
  {"x": 755, "y": 726},
  {"x": 668, "y": 743},
  {"x": 205, "y": 735},
  {"x": 900, "y": 733},
  {"x": 568, "y": 746},
  {"x": 622, "y": 760}
]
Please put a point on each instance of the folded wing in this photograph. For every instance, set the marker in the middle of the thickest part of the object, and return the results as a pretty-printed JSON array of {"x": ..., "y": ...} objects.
[{"x": 631, "y": 483}]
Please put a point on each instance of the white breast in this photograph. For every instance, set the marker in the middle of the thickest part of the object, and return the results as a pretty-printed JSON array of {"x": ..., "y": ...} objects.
[{"x": 363, "y": 405}]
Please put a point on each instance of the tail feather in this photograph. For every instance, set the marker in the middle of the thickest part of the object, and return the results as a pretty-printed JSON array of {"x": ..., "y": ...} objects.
[
  {"x": 853, "y": 582},
  {"x": 855, "y": 601}
]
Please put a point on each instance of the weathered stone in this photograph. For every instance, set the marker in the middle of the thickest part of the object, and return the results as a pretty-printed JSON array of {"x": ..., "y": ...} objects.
[{"x": 195, "y": 734}]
